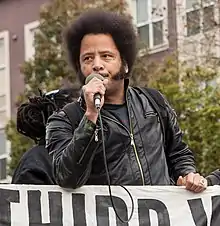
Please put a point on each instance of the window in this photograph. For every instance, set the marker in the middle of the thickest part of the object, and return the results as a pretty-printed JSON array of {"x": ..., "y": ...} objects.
[
  {"x": 4, "y": 99},
  {"x": 29, "y": 32},
  {"x": 3, "y": 167},
  {"x": 150, "y": 19},
  {"x": 200, "y": 16},
  {"x": 2, "y": 65},
  {"x": 4, "y": 77},
  {"x": 2, "y": 143}
]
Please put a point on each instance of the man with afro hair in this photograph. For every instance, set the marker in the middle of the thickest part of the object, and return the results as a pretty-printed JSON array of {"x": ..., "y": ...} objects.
[{"x": 104, "y": 43}]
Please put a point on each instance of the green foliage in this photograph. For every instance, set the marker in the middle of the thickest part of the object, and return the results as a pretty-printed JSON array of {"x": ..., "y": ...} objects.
[{"x": 19, "y": 144}]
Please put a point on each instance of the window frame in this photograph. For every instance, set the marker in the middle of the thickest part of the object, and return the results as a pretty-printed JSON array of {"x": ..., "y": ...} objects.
[
  {"x": 7, "y": 108},
  {"x": 153, "y": 48},
  {"x": 28, "y": 45},
  {"x": 183, "y": 40},
  {"x": 200, "y": 7}
]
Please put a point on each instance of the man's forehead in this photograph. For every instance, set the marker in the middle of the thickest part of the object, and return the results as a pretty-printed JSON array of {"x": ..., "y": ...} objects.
[
  {"x": 97, "y": 51},
  {"x": 97, "y": 41}
]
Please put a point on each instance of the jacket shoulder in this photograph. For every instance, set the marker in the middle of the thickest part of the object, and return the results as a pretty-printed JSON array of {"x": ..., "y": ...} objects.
[
  {"x": 34, "y": 161},
  {"x": 35, "y": 157}
]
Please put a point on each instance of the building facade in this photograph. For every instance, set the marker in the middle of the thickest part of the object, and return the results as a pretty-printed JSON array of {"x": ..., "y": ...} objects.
[{"x": 17, "y": 21}]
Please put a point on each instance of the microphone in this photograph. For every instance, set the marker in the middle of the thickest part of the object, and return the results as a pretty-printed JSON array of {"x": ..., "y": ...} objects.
[{"x": 97, "y": 96}]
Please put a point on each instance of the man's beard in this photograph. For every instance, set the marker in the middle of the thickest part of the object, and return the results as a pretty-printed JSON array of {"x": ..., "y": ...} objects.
[{"x": 120, "y": 75}]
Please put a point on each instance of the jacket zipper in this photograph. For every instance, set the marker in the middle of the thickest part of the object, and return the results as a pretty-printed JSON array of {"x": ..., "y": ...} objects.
[
  {"x": 137, "y": 158},
  {"x": 132, "y": 144},
  {"x": 96, "y": 135}
]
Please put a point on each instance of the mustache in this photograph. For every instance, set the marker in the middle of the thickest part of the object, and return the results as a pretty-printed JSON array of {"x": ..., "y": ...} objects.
[
  {"x": 105, "y": 75},
  {"x": 120, "y": 75}
]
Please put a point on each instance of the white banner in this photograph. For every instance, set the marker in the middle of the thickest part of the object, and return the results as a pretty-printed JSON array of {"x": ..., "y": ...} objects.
[{"x": 22, "y": 205}]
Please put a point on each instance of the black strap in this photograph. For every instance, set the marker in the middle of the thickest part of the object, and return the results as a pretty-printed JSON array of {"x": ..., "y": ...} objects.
[{"x": 159, "y": 105}]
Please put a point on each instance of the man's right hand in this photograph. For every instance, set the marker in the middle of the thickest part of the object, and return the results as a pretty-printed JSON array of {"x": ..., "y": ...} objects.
[
  {"x": 89, "y": 90},
  {"x": 193, "y": 182}
]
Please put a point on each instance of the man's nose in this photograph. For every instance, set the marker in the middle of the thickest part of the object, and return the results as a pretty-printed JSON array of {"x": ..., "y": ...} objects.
[{"x": 97, "y": 64}]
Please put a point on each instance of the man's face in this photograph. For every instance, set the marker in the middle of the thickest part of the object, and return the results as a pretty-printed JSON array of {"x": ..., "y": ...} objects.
[{"x": 99, "y": 54}]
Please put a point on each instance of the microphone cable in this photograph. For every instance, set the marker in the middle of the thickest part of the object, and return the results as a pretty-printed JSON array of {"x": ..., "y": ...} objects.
[{"x": 108, "y": 176}]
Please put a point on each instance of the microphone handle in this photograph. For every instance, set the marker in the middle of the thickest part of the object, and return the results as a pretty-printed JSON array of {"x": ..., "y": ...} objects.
[{"x": 97, "y": 100}]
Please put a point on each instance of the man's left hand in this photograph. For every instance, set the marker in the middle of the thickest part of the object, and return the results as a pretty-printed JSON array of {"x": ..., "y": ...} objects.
[{"x": 193, "y": 182}]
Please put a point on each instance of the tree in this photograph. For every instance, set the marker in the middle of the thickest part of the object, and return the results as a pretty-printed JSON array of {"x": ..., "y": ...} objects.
[{"x": 19, "y": 145}]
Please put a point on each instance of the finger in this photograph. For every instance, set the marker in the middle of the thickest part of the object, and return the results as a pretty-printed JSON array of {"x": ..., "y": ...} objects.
[
  {"x": 105, "y": 82},
  {"x": 100, "y": 90},
  {"x": 180, "y": 181},
  {"x": 199, "y": 189},
  {"x": 97, "y": 84},
  {"x": 94, "y": 88},
  {"x": 102, "y": 87},
  {"x": 196, "y": 182},
  {"x": 83, "y": 88},
  {"x": 189, "y": 181},
  {"x": 203, "y": 183},
  {"x": 96, "y": 81}
]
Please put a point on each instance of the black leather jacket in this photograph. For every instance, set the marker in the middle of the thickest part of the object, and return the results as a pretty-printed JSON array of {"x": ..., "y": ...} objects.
[
  {"x": 214, "y": 178},
  {"x": 135, "y": 157}
]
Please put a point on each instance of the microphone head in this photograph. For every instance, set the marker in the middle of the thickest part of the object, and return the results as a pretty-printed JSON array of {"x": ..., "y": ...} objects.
[{"x": 91, "y": 76}]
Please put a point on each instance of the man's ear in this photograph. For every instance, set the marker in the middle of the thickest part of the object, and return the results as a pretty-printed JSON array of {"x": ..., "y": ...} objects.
[{"x": 126, "y": 67}]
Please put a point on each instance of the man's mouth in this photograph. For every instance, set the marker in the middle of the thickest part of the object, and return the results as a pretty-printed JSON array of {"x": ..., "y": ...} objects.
[{"x": 104, "y": 75}]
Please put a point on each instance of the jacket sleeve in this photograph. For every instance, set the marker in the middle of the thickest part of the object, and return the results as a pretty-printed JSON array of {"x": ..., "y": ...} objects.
[
  {"x": 214, "y": 178},
  {"x": 180, "y": 158},
  {"x": 72, "y": 149},
  {"x": 31, "y": 176}
]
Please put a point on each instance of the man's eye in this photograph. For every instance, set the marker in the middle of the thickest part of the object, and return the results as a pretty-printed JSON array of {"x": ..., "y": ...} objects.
[
  {"x": 88, "y": 58},
  {"x": 107, "y": 56}
]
